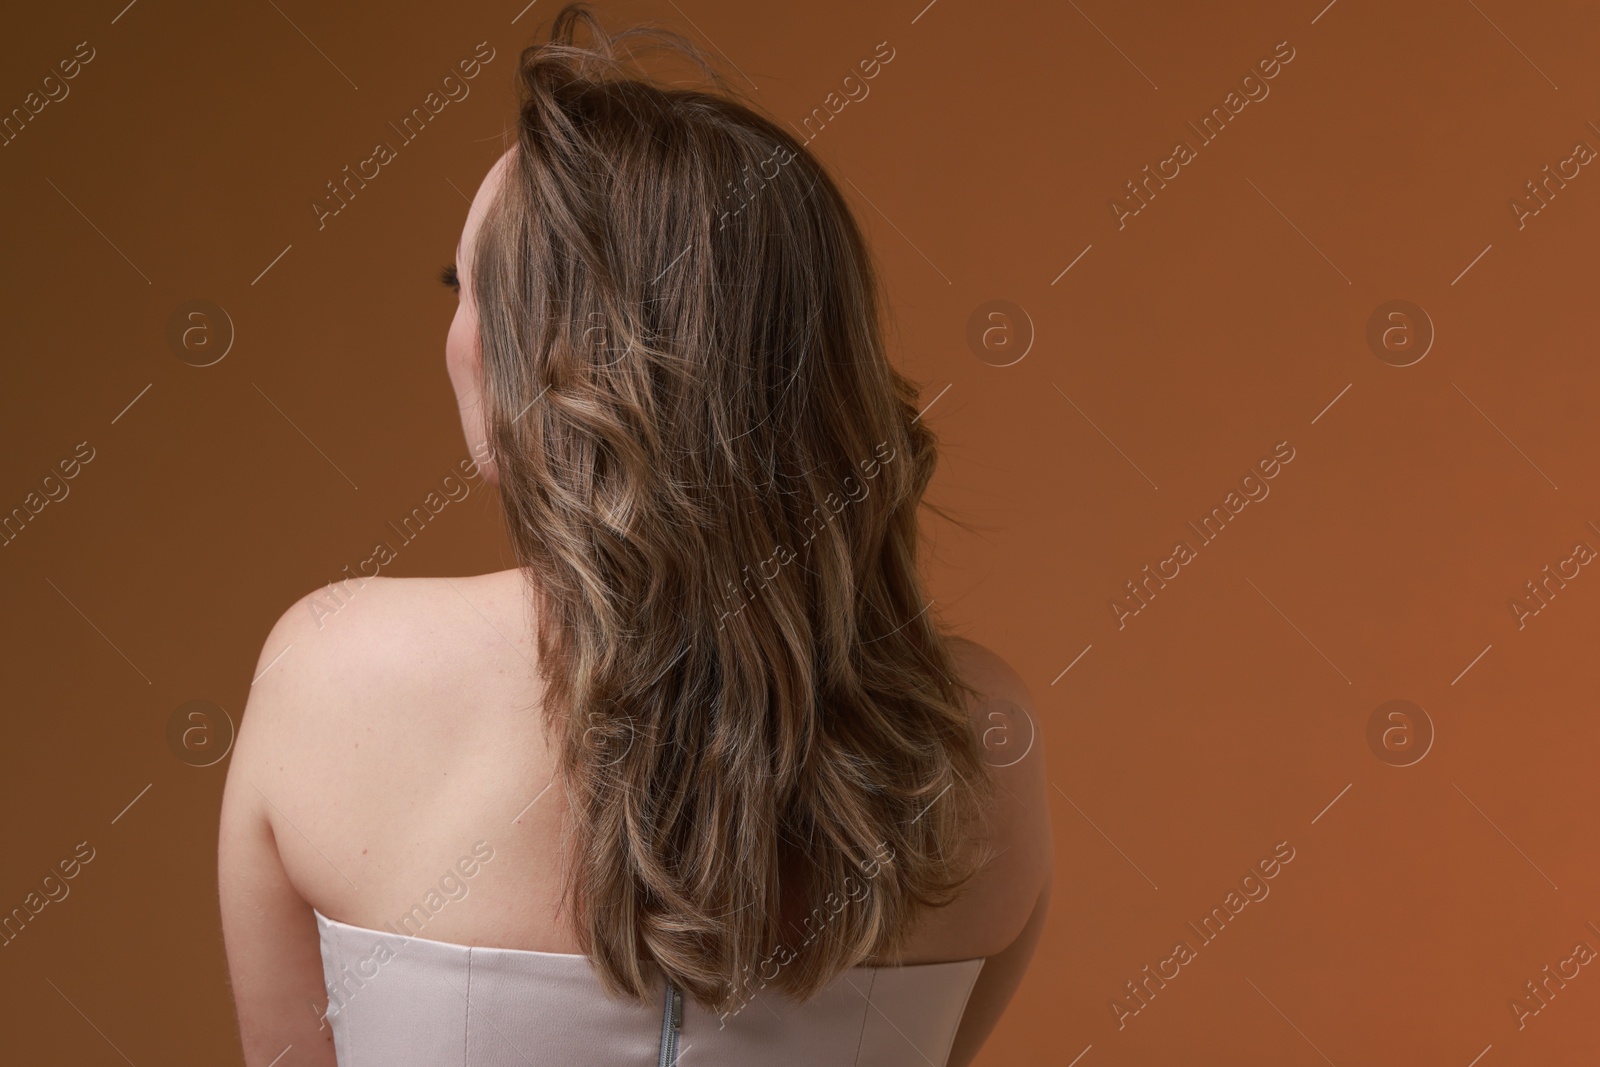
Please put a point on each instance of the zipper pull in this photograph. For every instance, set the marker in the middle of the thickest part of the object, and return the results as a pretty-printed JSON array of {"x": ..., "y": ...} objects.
[{"x": 677, "y": 1008}]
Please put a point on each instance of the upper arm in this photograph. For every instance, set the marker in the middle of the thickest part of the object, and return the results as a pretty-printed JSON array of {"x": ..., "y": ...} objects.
[
  {"x": 270, "y": 932},
  {"x": 996, "y": 984}
]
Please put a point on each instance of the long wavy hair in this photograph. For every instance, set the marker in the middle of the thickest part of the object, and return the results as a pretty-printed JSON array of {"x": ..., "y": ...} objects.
[{"x": 711, "y": 474}]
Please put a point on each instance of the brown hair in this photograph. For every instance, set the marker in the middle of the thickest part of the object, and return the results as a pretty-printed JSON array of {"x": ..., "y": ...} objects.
[{"x": 711, "y": 474}]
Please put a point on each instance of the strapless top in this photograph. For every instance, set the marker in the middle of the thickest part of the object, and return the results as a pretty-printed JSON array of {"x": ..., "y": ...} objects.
[{"x": 401, "y": 1001}]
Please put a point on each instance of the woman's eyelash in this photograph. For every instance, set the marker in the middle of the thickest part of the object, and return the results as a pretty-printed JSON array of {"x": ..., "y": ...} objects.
[{"x": 447, "y": 275}]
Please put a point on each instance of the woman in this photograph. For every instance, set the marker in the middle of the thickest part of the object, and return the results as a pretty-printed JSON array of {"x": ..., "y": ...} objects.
[{"x": 700, "y": 776}]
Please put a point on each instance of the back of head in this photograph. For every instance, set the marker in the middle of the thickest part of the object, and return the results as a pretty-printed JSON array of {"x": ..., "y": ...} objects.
[{"x": 712, "y": 475}]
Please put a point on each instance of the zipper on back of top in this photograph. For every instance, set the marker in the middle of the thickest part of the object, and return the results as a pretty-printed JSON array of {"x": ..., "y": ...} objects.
[{"x": 671, "y": 1022}]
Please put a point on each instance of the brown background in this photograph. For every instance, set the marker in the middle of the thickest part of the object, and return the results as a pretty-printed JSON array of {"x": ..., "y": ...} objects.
[{"x": 1176, "y": 352}]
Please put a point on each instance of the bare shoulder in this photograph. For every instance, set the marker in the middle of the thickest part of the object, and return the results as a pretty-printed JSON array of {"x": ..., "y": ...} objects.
[
  {"x": 985, "y": 670},
  {"x": 994, "y": 910},
  {"x": 1004, "y": 714},
  {"x": 385, "y": 635},
  {"x": 368, "y": 705},
  {"x": 385, "y": 660}
]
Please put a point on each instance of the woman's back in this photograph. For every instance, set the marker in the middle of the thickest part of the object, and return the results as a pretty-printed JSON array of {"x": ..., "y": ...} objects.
[
  {"x": 399, "y": 757},
  {"x": 734, "y": 755}
]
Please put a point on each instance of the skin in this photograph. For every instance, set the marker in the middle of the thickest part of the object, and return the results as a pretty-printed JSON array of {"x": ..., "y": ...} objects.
[
  {"x": 384, "y": 743},
  {"x": 461, "y": 355}
]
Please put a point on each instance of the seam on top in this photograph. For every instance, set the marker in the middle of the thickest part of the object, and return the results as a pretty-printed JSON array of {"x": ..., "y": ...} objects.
[
  {"x": 343, "y": 1015},
  {"x": 865, "y": 1011},
  {"x": 950, "y": 1042},
  {"x": 466, "y": 1018}
]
